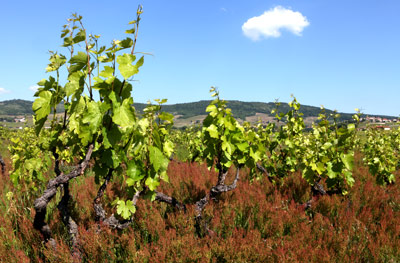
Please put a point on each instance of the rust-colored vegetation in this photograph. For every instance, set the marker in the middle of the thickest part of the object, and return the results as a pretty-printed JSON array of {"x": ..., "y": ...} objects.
[{"x": 257, "y": 222}]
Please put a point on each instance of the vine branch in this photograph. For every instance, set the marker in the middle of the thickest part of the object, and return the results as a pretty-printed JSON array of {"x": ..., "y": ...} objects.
[
  {"x": 41, "y": 203},
  {"x": 215, "y": 191}
]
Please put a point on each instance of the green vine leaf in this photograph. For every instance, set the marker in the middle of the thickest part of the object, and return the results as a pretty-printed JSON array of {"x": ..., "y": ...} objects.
[
  {"x": 93, "y": 116},
  {"x": 78, "y": 62},
  {"x": 348, "y": 160},
  {"x": 124, "y": 115},
  {"x": 107, "y": 72},
  {"x": 157, "y": 159},
  {"x": 75, "y": 84},
  {"x": 213, "y": 131},
  {"x": 125, "y": 209},
  {"x": 134, "y": 172},
  {"x": 80, "y": 36},
  {"x": 42, "y": 105},
  {"x": 152, "y": 183},
  {"x": 125, "y": 67}
]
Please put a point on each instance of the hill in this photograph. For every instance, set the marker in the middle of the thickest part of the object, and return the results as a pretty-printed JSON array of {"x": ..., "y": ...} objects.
[
  {"x": 193, "y": 111},
  {"x": 240, "y": 109},
  {"x": 250, "y": 111},
  {"x": 16, "y": 107}
]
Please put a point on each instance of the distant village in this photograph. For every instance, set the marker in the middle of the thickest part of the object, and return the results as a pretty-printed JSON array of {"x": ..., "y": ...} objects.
[
  {"x": 381, "y": 123},
  {"x": 13, "y": 119},
  {"x": 379, "y": 120},
  {"x": 18, "y": 120}
]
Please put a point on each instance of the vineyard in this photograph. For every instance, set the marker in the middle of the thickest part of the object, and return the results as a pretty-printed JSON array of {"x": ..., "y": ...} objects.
[{"x": 104, "y": 183}]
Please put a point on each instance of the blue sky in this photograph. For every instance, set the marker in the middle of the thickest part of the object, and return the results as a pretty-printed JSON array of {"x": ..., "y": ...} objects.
[{"x": 337, "y": 53}]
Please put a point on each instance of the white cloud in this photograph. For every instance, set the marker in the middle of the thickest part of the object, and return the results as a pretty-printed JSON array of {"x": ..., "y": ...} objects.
[
  {"x": 223, "y": 9},
  {"x": 273, "y": 21},
  {"x": 34, "y": 88},
  {"x": 4, "y": 91}
]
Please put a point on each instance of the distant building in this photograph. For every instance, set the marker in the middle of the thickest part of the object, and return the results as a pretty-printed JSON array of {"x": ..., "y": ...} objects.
[
  {"x": 381, "y": 127},
  {"x": 20, "y": 119}
]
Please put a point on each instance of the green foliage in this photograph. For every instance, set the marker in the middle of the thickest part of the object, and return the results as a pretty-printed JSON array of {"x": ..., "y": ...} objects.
[
  {"x": 188, "y": 143},
  {"x": 107, "y": 120},
  {"x": 381, "y": 151},
  {"x": 329, "y": 153},
  {"x": 223, "y": 137},
  {"x": 30, "y": 161},
  {"x": 326, "y": 153},
  {"x": 151, "y": 148},
  {"x": 284, "y": 147}
]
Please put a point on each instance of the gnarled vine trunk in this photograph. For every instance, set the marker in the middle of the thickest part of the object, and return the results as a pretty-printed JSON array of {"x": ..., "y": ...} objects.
[
  {"x": 71, "y": 225},
  {"x": 115, "y": 223},
  {"x": 215, "y": 191},
  {"x": 41, "y": 203}
]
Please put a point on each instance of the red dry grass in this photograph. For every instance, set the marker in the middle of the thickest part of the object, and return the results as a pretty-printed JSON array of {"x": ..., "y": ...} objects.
[{"x": 257, "y": 222}]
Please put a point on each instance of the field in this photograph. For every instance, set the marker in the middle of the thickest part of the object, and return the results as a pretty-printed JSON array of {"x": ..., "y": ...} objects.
[{"x": 106, "y": 181}]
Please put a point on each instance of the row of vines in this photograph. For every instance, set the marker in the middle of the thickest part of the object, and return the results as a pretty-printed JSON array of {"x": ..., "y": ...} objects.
[{"x": 100, "y": 134}]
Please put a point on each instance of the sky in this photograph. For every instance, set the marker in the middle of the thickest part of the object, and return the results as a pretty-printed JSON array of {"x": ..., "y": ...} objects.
[{"x": 337, "y": 53}]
